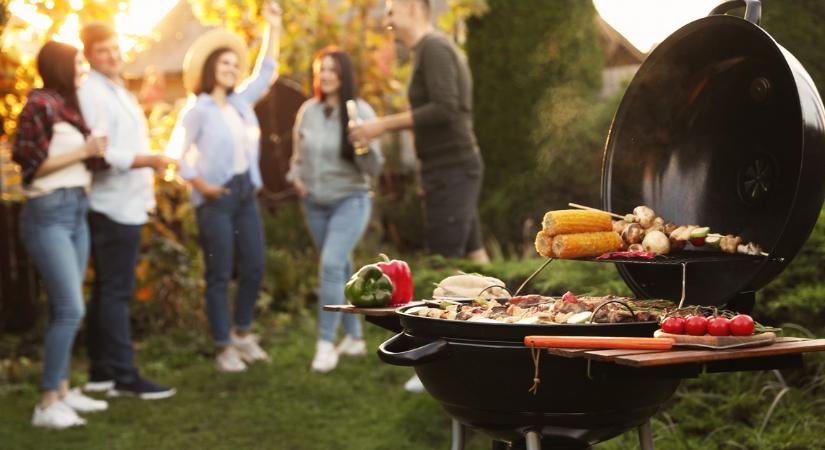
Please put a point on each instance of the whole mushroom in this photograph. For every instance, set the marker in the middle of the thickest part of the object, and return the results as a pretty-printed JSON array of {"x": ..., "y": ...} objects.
[
  {"x": 657, "y": 243},
  {"x": 632, "y": 233},
  {"x": 645, "y": 216}
]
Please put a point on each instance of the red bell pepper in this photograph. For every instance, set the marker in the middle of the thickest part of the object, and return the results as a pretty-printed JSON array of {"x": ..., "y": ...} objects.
[{"x": 399, "y": 273}]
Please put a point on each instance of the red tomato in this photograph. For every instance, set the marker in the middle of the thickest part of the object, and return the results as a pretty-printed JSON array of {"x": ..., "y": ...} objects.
[
  {"x": 741, "y": 325},
  {"x": 674, "y": 325},
  {"x": 696, "y": 325},
  {"x": 719, "y": 326}
]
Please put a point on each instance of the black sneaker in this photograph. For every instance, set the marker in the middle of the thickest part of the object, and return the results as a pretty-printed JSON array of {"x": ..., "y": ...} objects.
[{"x": 142, "y": 389}]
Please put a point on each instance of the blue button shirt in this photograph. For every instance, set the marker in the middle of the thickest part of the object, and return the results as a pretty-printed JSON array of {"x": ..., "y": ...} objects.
[
  {"x": 207, "y": 141},
  {"x": 123, "y": 194}
]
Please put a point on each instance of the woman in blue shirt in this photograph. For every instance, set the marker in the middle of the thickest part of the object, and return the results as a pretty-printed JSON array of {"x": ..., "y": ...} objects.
[
  {"x": 219, "y": 159},
  {"x": 332, "y": 178}
]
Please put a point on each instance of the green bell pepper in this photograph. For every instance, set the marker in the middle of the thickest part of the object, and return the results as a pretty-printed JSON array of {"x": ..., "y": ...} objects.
[{"x": 369, "y": 288}]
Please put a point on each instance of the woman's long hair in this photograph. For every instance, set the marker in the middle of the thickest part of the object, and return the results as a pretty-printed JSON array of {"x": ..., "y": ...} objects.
[
  {"x": 56, "y": 65},
  {"x": 347, "y": 91},
  {"x": 208, "y": 79}
]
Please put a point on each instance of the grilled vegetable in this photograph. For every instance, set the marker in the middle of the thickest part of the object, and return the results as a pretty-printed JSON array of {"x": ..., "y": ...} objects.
[
  {"x": 698, "y": 236},
  {"x": 729, "y": 243},
  {"x": 581, "y": 245},
  {"x": 544, "y": 244},
  {"x": 644, "y": 215},
  {"x": 633, "y": 233},
  {"x": 657, "y": 243},
  {"x": 568, "y": 221}
]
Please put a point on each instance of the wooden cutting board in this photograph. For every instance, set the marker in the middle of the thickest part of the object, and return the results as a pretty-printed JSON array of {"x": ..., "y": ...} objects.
[{"x": 718, "y": 342}]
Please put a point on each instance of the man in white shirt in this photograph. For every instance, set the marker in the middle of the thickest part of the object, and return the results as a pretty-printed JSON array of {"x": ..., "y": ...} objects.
[{"x": 119, "y": 203}]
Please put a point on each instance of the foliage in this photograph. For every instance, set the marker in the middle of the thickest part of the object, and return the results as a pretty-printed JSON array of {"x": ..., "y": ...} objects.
[
  {"x": 797, "y": 294},
  {"x": 536, "y": 127},
  {"x": 311, "y": 26},
  {"x": 796, "y": 26}
]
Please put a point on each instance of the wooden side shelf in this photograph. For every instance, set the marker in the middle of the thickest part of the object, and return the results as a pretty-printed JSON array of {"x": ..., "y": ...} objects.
[
  {"x": 651, "y": 358},
  {"x": 377, "y": 312}
]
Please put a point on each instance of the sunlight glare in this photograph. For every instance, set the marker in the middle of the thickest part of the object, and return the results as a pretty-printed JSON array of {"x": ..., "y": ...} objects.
[
  {"x": 134, "y": 20},
  {"x": 28, "y": 13},
  {"x": 645, "y": 23},
  {"x": 69, "y": 32}
]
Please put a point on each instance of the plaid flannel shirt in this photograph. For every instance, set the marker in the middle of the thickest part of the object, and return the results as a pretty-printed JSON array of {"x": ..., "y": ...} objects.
[{"x": 43, "y": 109}]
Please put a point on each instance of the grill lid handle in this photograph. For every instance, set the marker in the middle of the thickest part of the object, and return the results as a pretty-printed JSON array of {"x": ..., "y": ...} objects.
[{"x": 753, "y": 9}]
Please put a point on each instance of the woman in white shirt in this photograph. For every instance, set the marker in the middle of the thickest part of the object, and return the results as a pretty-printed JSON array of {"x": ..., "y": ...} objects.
[
  {"x": 219, "y": 159},
  {"x": 55, "y": 151}
]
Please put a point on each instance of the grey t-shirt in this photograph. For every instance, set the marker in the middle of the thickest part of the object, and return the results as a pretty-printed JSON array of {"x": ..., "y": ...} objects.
[{"x": 316, "y": 154}]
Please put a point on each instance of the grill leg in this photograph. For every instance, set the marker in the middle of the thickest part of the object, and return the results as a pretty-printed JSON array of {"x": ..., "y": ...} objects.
[
  {"x": 458, "y": 436},
  {"x": 533, "y": 439},
  {"x": 645, "y": 436}
]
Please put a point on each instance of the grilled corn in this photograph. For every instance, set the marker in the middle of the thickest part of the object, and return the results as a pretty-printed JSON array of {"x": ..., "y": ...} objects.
[
  {"x": 580, "y": 245},
  {"x": 568, "y": 221},
  {"x": 544, "y": 244}
]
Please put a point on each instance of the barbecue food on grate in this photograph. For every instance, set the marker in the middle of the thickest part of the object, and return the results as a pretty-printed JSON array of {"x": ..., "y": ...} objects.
[
  {"x": 535, "y": 309},
  {"x": 643, "y": 222}
]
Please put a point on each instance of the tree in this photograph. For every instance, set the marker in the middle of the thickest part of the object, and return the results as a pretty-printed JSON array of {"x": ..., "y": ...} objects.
[{"x": 536, "y": 74}]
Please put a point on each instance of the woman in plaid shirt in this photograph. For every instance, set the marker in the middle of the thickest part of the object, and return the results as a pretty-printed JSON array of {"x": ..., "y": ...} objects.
[{"x": 56, "y": 151}]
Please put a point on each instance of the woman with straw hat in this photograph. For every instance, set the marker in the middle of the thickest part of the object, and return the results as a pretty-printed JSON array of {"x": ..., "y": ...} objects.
[{"x": 219, "y": 158}]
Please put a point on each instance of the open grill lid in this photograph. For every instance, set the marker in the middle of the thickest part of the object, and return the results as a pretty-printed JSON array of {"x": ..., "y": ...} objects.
[{"x": 720, "y": 127}]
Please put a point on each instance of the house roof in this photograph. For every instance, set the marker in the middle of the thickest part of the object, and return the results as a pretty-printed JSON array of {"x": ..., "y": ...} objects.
[
  {"x": 173, "y": 36},
  {"x": 617, "y": 49}
]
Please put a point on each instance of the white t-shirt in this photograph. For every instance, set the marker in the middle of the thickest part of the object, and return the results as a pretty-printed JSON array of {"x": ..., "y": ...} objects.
[
  {"x": 65, "y": 138},
  {"x": 235, "y": 122}
]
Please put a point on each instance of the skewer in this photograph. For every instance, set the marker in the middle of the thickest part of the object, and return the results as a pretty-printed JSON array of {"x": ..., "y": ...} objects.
[{"x": 577, "y": 206}]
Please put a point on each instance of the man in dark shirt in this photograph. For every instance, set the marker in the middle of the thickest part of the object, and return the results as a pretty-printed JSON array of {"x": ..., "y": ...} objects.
[{"x": 440, "y": 95}]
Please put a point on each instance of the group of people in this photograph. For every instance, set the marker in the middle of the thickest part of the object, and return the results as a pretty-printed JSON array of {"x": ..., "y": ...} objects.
[{"x": 83, "y": 148}]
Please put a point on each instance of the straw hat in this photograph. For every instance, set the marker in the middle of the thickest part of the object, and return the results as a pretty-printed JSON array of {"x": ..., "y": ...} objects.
[{"x": 203, "y": 47}]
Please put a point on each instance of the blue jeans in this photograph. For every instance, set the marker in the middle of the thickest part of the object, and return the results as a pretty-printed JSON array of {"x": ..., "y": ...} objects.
[
  {"x": 115, "y": 249},
  {"x": 56, "y": 237},
  {"x": 230, "y": 230},
  {"x": 336, "y": 229}
]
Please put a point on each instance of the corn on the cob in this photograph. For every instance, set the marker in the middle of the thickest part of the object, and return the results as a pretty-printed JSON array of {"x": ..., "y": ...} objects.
[
  {"x": 544, "y": 244},
  {"x": 568, "y": 221},
  {"x": 581, "y": 245}
]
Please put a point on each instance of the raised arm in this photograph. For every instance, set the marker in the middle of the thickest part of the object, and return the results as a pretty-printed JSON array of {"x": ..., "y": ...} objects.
[{"x": 265, "y": 70}]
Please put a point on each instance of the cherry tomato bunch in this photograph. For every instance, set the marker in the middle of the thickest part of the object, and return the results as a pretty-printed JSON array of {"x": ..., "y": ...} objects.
[{"x": 699, "y": 325}]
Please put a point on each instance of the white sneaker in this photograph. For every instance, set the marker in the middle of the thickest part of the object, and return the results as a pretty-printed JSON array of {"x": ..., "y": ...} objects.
[
  {"x": 99, "y": 386},
  {"x": 81, "y": 403},
  {"x": 326, "y": 358},
  {"x": 351, "y": 346},
  {"x": 248, "y": 348},
  {"x": 57, "y": 416},
  {"x": 229, "y": 360},
  {"x": 414, "y": 385}
]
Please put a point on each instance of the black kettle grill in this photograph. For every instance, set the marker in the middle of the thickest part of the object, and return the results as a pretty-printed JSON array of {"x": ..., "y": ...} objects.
[{"x": 722, "y": 127}]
